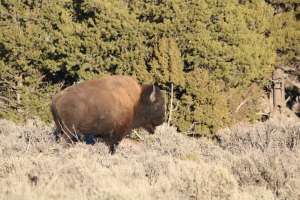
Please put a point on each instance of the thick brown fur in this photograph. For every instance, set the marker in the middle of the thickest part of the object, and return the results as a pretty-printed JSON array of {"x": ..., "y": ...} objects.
[{"x": 109, "y": 108}]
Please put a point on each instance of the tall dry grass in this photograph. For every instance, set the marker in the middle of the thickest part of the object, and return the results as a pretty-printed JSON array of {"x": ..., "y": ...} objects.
[{"x": 249, "y": 162}]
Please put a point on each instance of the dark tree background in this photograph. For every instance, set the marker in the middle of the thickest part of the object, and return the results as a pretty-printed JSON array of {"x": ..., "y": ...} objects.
[{"x": 215, "y": 53}]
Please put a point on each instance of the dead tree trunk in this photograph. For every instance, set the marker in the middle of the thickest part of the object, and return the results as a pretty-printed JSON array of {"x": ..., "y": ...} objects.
[{"x": 278, "y": 91}]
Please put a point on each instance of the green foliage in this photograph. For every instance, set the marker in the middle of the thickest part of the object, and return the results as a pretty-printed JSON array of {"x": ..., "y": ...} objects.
[
  {"x": 212, "y": 52},
  {"x": 166, "y": 65},
  {"x": 204, "y": 104},
  {"x": 286, "y": 31}
]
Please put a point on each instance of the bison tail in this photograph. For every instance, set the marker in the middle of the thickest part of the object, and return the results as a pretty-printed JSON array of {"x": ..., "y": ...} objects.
[
  {"x": 57, "y": 121},
  {"x": 61, "y": 128}
]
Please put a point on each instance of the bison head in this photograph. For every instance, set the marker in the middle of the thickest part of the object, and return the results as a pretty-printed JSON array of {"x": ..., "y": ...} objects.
[{"x": 151, "y": 109}]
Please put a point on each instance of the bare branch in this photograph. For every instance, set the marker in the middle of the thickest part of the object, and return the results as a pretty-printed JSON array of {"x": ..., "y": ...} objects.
[
  {"x": 290, "y": 70},
  {"x": 171, "y": 106},
  {"x": 241, "y": 104},
  {"x": 287, "y": 99}
]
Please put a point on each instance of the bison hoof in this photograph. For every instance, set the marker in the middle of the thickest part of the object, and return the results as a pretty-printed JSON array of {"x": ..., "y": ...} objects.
[{"x": 89, "y": 139}]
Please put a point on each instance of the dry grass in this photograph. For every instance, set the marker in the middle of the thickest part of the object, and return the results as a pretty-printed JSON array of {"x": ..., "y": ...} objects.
[{"x": 247, "y": 162}]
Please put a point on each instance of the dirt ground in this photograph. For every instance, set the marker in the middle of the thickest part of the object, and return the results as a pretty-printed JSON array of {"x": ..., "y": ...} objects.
[{"x": 249, "y": 162}]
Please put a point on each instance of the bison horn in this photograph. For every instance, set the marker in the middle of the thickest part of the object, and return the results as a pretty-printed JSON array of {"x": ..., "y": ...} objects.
[{"x": 152, "y": 96}]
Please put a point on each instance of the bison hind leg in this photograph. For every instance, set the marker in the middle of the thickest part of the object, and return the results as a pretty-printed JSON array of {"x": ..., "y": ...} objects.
[
  {"x": 57, "y": 134},
  {"x": 68, "y": 138}
]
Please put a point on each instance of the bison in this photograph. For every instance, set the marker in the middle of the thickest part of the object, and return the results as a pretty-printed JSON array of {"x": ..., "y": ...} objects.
[{"x": 109, "y": 108}]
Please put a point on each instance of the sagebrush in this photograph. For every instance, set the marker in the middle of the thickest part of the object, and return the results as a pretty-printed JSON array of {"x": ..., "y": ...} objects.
[{"x": 258, "y": 161}]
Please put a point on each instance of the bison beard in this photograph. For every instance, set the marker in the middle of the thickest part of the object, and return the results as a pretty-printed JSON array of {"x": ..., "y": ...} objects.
[{"x": 109, "y": 108}]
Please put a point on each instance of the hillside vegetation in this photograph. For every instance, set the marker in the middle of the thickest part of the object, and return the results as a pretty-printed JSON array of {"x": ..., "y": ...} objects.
[
  {"x": 249, "y": 162},
  {"x": 214, "y": 53}
]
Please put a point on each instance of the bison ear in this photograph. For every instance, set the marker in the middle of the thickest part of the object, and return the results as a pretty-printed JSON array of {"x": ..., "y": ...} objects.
[{"x": 152, "y": 95}]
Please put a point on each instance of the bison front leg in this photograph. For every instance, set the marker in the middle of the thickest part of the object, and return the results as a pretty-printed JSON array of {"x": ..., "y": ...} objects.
[
  {"x": 113, "y": 145},
  {"x": 114, "y": 141},
  {"x": 112, "y": 148}
]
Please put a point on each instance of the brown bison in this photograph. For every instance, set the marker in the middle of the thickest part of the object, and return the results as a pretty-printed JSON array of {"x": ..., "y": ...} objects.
[{"x": 108, "y": 108}]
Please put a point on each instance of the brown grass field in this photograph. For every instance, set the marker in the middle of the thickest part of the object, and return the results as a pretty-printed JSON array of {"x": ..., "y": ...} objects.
[{"x": 249, "y": 162}]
